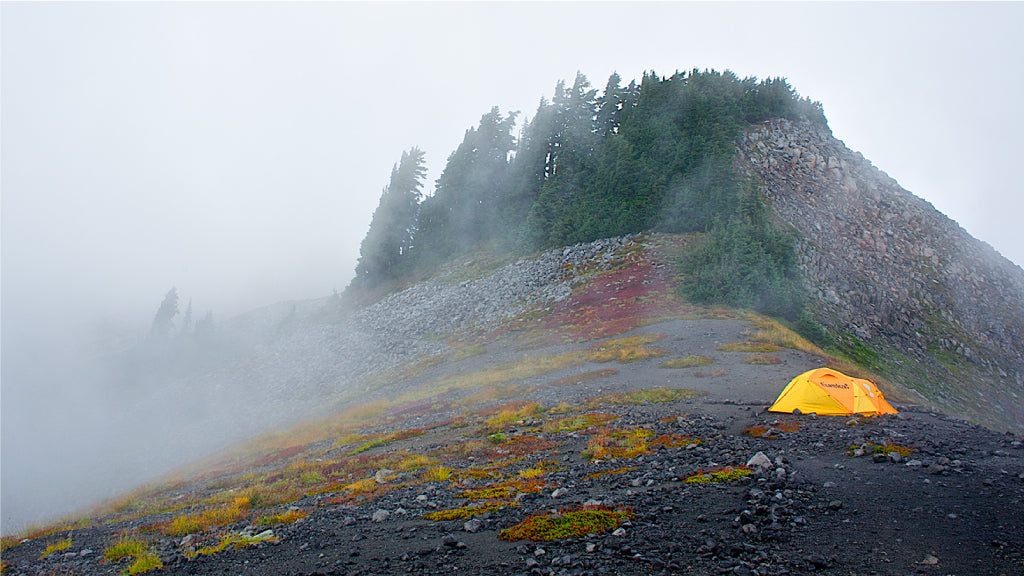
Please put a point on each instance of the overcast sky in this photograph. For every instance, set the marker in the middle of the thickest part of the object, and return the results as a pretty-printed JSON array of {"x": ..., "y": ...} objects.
[{"x": 237, "y": 150}]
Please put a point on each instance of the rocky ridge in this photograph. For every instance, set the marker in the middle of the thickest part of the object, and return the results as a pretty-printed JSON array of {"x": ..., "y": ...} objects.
[
  {"x": 942, "y": 311},
  {"x": 297, "y": 360},
  {"x": 818, "y": 497}
]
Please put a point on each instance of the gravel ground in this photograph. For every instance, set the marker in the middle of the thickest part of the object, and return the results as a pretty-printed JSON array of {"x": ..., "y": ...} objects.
[{"x": 955, "y": 505}]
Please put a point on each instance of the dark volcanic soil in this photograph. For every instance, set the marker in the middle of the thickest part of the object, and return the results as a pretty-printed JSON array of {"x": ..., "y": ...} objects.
[{"x": 955, "y": 505}]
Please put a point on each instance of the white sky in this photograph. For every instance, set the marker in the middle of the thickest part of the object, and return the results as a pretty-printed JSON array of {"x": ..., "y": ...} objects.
[{"x": 238, "y": 150}]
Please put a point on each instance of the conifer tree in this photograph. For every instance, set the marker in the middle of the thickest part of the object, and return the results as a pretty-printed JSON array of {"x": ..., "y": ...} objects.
[
  {"x": 466, "y": 204},
  {"x": 163, "y": 320},
  {"x": 389, "y": 239}
]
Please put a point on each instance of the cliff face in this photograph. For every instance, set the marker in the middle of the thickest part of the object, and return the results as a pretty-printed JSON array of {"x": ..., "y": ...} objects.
[{"x": 908, "y": 290}]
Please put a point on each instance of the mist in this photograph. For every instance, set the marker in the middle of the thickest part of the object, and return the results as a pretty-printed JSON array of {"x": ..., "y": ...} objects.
[{"x": 236, "y": 152}]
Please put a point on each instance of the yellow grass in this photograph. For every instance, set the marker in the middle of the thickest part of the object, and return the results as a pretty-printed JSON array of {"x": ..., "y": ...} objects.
[
  {"x": 57, "y": 547},
  {"x": 125, "y": 546}
]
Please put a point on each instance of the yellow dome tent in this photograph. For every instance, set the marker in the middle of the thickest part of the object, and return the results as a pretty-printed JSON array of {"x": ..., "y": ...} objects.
[{"x": 830, "y": 392}]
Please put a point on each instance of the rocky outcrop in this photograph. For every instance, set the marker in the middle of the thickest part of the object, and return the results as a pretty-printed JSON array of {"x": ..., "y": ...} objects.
[{"x": 943, "y": 311}]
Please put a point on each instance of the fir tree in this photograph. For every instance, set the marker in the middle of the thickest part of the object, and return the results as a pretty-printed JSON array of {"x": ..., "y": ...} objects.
[{"x": 390, "y": 237}]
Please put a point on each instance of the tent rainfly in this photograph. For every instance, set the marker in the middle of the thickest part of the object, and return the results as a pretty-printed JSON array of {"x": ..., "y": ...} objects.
[{"x": 830, "y": 392}]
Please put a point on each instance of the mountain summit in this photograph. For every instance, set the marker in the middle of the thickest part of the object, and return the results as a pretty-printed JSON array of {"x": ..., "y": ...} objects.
[{"x": 782, "y": 218}]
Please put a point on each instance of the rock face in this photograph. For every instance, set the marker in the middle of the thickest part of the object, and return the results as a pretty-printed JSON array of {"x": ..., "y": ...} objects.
[{"x": 943, "y": 311}]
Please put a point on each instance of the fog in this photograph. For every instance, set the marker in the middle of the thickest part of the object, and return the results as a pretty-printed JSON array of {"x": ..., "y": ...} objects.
[{"x": 236, "y": 152}]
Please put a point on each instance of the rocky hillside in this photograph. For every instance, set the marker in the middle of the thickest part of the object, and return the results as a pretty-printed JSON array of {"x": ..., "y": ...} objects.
[
  {"x": 578, "y": 418},
  {"x": 909, "y": 292}
]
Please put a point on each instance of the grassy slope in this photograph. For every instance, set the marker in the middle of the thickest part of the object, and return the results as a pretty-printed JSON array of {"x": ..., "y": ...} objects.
[{"x": 369, "y": 446}]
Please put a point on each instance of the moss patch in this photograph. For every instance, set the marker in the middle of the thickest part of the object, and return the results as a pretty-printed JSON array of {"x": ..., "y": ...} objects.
[{"x": 566, "y": 524}]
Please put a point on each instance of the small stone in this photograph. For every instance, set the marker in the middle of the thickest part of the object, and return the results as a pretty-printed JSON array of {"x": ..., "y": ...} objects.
[
  {"x": 829, "y": 485},
  {"x": 380, "y": 515},
  {"x": 559, "y": 492},
  {"x": 835, "y": 505},
  {"x": 532, "y": 563},
  {"x": 896, "y": 457},
  {"x": 817, "y": 560},
  {"x": 929, "y": 560},
  {"x": 591, "y": 546},
  {"x": 879, "y": 458},
  {"x": 265, "y": 535},
  {"x": 914, "y": 464},
  {"x": 759, "y": 460},
  {"x": 473, "y": 525},
  {"x": 619, "y": 532},
  {"x": 539, "y": 551}
]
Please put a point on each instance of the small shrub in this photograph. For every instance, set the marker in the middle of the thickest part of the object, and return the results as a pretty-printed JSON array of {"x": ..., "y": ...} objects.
[
  {"x": 756, "y": 431},
  {"x": 56, "y": 547},
  {"x": 184, "y": 525},
  {"x": 688, "y": 362},
  {"x": 128, "y": 546},
  {"x": 648, "y": 396},
  {"x": 726, "y": 474},
  {"x": 368, "y": 446},
  {"x": 675, "y": 440},
  {"x": 230, "y": 540},
  {"x": 885, "y": 448},
  {"x": 436, "y": 474},
  {"x": 626, "y": 355},
  {"x": 508, "y": 416},
  {"x": 311, "y": 477},
  {"x": 603, "y": 473},
  {"x": 125, "y": 546},
  {"x": 505, "y": 490},
  {"x": 540, "y": 469},
  {"x": 197, "y": 523},
  {"x": 467, "y": 512},
  {"x": 610, "y": 444},
  {"x": 787, "y": 426},
  {"x": 144, "y": 562},
  {"x": 750, "y": 347},
  {"x": 415, "y": 462},
  {"x": 9, "y": 542},
  {"x": 566, "y": 524},
  {"x": 578, "y": 422},
  {"x": 289, "y": 517}
]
